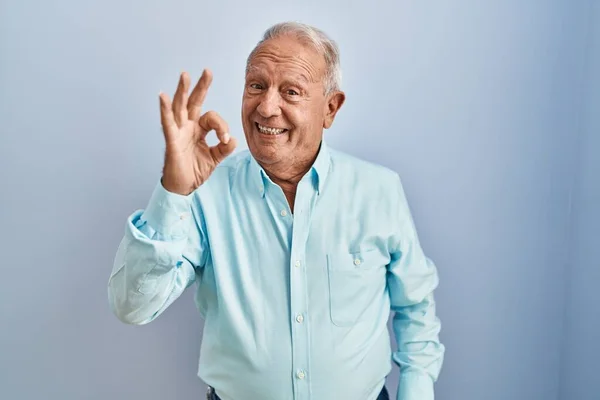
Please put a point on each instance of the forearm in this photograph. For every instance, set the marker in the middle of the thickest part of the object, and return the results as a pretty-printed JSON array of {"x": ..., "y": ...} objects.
[
  {"x": 420, "y": 353},
  {"x": 144, "y": 275},
  {"x": 151, "y": 269}
]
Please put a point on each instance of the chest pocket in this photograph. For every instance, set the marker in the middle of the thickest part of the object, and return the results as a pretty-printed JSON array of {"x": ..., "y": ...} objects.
[{"x": 356, "y": 281}]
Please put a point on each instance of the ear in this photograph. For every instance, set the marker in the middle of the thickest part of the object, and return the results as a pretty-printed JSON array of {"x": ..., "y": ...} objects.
[{"x": 333, "y": 105}]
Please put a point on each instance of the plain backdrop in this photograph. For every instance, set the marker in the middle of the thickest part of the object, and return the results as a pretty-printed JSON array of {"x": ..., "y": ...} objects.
[{"x": 489, "y": 110}]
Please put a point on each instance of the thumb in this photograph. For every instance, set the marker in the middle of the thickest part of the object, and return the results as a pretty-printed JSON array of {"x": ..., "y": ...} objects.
[{"x": 222, "y": 150}]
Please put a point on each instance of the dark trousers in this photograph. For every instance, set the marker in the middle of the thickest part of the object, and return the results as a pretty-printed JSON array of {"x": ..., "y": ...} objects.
[{"x": 211, "y": 395}]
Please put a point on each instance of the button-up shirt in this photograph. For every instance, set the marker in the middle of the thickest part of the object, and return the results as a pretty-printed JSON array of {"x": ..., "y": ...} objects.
[{"x": 295, "y": 304}]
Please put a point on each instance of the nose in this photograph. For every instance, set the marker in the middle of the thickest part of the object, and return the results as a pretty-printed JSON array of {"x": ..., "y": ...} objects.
[{"x": 269, "y": 104}]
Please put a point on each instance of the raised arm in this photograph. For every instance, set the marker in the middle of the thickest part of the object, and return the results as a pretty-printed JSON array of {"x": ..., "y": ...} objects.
[{"x": 164, "y": 246}]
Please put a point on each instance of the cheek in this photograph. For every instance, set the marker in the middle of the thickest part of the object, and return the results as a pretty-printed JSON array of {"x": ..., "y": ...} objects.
[
  {"x": 248, "y": 106},
  {"x": 245, "y": 107},
  {"x": 301, "y": 117}
]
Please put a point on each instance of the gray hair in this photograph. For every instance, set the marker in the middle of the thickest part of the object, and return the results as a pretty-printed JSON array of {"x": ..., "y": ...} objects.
[{"x": 318, "y": 40}]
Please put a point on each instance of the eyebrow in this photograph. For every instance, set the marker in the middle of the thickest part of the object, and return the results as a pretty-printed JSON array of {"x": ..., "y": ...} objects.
[
  {"x": 251, "y": 69},
  {"x": 302, "y": 83},
  {"x": 295, "y": 79},
  {"x": 303, "y": 78}
]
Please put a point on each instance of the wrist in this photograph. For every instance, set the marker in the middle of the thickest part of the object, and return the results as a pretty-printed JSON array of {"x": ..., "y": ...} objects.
[
  {"x": 175, "y": 188},
  {"x": 168, "y": 212}
]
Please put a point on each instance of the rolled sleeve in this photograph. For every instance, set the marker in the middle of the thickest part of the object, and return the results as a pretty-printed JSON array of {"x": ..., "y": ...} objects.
[{"x": 415, "y": 386}]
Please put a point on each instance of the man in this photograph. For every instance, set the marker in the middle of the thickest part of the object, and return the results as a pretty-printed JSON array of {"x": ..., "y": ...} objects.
[{"x": 298, "y": 250}]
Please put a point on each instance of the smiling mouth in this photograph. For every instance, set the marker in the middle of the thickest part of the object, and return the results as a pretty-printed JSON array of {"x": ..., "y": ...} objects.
[{"x": 269, "y": 130}]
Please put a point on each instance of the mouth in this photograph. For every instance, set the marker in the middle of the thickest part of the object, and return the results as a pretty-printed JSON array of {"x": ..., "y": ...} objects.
[{"x": 269, "y": 130}]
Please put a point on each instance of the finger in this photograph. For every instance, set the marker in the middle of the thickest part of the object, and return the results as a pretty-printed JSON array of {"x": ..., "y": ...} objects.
[
  {"x": 213, "y": 121},
  {"x": 222, "y": 150},
  {"x": 181, "y": 98},
  {"x": 167, "y": 119},
  {"x": 198, "y": 95}
]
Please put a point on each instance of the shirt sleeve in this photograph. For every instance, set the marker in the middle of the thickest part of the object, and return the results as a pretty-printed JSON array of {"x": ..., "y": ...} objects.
[
  {"x": 157, "y": 258},
  {"x": 412, "y": 279}
]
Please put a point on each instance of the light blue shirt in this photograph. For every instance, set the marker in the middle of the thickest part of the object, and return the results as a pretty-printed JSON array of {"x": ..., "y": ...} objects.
[{"x": 295, "y": 305}]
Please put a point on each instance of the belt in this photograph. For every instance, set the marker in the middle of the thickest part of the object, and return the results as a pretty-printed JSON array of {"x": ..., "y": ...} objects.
[{"x": 211, "y": 395}]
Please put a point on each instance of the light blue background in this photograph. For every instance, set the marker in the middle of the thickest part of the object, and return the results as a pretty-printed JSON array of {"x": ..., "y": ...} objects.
[{"x": 490, "y": 111}]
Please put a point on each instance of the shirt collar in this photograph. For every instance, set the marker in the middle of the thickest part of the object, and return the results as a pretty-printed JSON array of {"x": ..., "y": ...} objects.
[{"x": 319, "y": 171}]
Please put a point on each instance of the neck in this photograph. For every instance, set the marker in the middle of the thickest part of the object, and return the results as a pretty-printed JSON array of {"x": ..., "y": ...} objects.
[{"x": 287, "y": 176}]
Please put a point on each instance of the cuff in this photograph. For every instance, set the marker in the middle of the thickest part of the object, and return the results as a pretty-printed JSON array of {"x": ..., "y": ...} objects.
[
  {"x": 169, "y": 213},
  {"x": 415, "y": 385}
]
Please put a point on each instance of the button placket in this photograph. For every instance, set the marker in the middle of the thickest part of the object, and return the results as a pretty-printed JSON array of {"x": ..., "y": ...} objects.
[{"x": 298, "y": 289}]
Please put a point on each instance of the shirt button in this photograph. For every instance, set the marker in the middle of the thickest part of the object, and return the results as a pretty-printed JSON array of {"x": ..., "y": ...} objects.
[
  {"x": 357, "y": 261},
  {"x": 297, "y": 263},
  {"x": 283, "y": 213},
  {"x": 301, "y": 374},
  {"x": 299, "y": 318}
]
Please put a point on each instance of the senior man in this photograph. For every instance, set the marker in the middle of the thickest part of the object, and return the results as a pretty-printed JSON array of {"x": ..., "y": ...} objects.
[{"x": 298, "y": 251}]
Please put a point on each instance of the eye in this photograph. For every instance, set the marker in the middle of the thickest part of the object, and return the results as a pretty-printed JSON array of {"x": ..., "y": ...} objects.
[
  {"x": 256, "y": 86},
  {"x": 291, "y": 92}
]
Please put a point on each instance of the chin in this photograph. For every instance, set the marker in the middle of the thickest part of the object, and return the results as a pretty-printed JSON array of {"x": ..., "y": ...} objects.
[
  {"x": 265, "y": 154},
  {"x": 268, "y": 154}
]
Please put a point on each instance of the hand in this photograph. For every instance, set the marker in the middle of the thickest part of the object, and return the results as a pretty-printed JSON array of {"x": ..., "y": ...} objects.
[{"x": 189, "y": 160}]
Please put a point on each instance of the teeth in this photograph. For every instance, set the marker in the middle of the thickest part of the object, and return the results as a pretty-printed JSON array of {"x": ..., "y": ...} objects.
[{"x": 269, "y": 131}]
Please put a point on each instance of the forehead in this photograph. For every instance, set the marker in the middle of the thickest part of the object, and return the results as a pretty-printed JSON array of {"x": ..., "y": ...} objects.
[{"x": 288, "y": 55}]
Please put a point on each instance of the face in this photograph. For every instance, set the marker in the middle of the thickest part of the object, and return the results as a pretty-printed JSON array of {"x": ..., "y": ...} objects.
[{"x": 284, "y": 107}]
